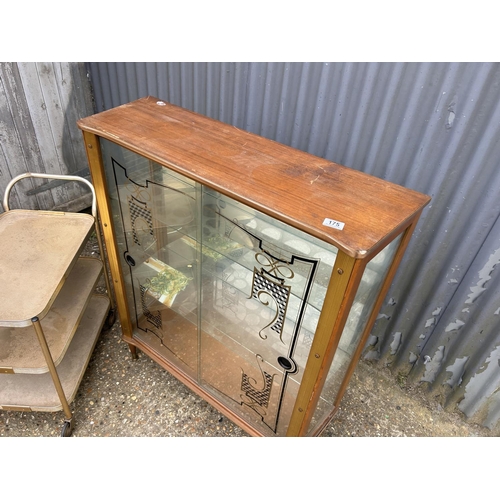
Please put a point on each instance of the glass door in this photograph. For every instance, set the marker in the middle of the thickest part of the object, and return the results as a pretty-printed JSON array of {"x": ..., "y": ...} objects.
[
  {"x": 154, "y": 212},
  {"x": 263, "y": 284},
  {"x": 227, "y": 294}
]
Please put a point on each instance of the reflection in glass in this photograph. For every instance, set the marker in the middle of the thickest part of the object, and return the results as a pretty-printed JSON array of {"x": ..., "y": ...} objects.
[{"x": 368, "y": 291}]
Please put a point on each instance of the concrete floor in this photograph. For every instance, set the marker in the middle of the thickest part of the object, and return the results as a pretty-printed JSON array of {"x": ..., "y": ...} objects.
[{"x": 122, "y": 397}]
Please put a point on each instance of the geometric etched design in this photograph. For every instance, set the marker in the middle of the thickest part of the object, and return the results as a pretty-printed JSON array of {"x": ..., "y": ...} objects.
[
  {"x": 279, "y": 293},
  {"x": 308, "y": 338},
  {"x": 259, "y": 397},
  {"x": 142, "y": 212},
  {"x": 155, "y": 318}
]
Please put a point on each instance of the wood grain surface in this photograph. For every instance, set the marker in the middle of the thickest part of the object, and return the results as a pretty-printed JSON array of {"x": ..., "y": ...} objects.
[{"x": 293, "y": 186}]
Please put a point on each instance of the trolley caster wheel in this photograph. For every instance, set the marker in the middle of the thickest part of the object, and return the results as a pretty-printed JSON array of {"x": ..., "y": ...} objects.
[{"x": 67, "y": 429}]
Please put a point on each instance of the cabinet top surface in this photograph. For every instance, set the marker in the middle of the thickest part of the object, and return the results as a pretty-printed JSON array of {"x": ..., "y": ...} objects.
[{"x": 293, "y": 186}]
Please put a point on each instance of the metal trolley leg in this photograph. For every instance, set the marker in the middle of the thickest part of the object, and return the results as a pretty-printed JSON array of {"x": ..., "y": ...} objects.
[
  {"x": 112, "y": 312},
  {"x": 68, "y": 423}
]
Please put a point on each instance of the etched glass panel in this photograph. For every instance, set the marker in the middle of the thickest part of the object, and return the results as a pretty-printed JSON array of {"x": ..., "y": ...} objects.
[
  {"x": 227, "y": 294},
  {"x": 153, "y": 209},
  {"x": 263, "y": 287}
]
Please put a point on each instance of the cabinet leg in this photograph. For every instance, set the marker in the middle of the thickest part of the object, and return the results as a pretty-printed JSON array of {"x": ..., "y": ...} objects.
[{"x": 133, "y": 351}]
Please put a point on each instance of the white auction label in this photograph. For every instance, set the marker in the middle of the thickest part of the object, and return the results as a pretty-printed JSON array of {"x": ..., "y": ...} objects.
[{"x": 334, "y": 223}]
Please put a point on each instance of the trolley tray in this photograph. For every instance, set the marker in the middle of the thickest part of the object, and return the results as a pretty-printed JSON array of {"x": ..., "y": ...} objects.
[
  {"x": 20, "y": 351},
  {"x": 25, "y": 392},
  {"x": 37, "y": 251}
]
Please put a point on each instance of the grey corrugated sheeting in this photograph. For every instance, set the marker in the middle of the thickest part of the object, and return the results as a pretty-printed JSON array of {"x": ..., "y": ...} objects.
[
  {"x": 433, "y": 127},
  {"x": 39, "y": 106}
]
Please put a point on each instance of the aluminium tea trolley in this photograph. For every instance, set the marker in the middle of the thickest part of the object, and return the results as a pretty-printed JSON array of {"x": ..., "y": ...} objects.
[{"x": 50, "y": 315}]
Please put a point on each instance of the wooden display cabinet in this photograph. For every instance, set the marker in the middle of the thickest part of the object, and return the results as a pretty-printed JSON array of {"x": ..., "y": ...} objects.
[{"x": 251, "y": 271}]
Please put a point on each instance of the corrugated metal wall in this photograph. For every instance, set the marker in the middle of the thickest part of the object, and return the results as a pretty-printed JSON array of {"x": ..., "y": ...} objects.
[
  {"x": 39, "y": 106},
  {"x": 433, "y": 127}
]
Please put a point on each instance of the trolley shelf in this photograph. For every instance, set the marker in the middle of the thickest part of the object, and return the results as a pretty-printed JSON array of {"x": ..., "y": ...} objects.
[
  {"x": 36, "y": 392},
  {"x": 37, "y": 251},
  {"x": 19, "y": 348},
  {"x": 50, "y": 313}
]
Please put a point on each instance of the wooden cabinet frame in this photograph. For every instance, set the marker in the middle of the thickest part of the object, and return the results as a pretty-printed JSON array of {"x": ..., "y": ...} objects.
[{"x": 358, "y": 215}]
